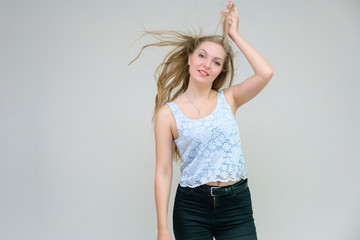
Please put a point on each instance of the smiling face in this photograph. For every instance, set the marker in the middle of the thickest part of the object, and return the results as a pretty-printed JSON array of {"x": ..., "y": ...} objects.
[{"x": 206, "y": 62}]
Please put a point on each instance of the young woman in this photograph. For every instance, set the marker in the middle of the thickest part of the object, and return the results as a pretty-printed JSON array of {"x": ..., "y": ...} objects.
[{"x": 194, "y": 121}]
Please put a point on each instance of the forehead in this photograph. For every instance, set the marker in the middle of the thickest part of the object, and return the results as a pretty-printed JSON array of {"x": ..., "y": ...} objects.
[{"x": 213, "y": 49}]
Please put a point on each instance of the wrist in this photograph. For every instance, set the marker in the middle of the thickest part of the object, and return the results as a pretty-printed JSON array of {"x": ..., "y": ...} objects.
[
  {"x": 162, "y": 227},
  {"x": 234, "y": 36}
]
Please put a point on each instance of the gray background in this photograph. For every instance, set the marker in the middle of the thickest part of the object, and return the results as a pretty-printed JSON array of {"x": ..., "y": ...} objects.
[{"x": 77, "y": 145}]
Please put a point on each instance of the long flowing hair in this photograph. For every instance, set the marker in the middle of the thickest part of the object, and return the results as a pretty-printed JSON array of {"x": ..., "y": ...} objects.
[{"x": 172, "y": 75}]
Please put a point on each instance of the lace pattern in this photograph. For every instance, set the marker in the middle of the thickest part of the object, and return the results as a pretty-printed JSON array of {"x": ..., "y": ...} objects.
[{"x": 210, "y": 147}]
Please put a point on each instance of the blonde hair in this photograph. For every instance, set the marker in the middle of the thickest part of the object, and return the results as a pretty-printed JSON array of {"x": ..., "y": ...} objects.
[{"x": 173, "y": 75}]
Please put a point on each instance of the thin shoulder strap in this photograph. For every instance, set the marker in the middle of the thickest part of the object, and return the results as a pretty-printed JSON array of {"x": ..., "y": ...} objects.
[
  {"x": 175, "y": 110},
  {"x": 222, "y": 99}
]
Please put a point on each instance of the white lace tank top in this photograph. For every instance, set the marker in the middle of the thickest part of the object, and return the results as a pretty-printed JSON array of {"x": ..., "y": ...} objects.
[{"x": 210, "y": 147}]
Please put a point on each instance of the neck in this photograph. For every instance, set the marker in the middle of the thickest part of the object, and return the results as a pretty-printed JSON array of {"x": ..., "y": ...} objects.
[{"x": 197, "y": 92}]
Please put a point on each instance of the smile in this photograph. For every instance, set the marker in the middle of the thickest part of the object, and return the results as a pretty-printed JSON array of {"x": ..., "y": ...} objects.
[{"x": 203, "y": 73}]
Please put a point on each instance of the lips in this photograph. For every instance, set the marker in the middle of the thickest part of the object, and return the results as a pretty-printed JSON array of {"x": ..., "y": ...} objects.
[{"x": 203, "y": 73}]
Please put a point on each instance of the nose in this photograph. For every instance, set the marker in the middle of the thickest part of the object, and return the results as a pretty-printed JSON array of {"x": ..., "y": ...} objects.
[{"x": 207, "y": 63}]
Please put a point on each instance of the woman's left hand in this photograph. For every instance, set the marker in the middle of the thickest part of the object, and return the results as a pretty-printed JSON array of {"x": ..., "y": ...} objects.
[{"x": 232, "y": 18}]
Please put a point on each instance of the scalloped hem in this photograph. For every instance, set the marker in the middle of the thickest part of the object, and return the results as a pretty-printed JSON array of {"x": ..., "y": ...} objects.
[{"x": 212, "y": 180}]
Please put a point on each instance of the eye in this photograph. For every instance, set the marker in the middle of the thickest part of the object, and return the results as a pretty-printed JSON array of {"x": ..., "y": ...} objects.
[
  {"x": 201, "y": 55},
  {"x": 217, "y": 63}
]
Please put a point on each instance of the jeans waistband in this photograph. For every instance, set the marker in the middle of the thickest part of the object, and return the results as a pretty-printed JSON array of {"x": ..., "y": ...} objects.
[{"x": 225, "y": 190}]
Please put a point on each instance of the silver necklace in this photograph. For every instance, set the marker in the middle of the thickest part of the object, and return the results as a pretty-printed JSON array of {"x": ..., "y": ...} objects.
[{"x": 198, "y": 109}]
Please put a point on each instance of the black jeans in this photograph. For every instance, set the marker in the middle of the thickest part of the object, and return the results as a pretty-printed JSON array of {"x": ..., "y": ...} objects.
[{"x": 199, "y": 216}]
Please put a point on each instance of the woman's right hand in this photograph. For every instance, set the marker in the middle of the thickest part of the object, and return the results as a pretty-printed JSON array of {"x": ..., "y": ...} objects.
[{"x": 164, "y": 235}]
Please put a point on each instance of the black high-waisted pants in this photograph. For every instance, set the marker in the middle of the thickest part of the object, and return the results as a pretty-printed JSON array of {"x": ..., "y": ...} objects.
[{"x": 199, "y": 216}]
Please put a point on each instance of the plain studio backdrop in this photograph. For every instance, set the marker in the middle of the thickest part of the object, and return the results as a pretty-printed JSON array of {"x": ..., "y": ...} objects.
[{"x": 77, "y": 145}]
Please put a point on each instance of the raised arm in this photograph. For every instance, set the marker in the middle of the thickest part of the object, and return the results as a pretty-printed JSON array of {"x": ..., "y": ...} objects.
[
  {"x": 263, "y": 72},
  {"x": 163, "y": 170}
]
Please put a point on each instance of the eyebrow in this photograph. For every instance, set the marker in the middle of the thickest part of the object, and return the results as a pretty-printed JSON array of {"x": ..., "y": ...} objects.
[{"x": 207, "y": 53}]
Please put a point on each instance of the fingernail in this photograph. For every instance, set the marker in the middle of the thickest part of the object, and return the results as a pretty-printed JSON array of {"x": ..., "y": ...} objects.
[
  {"x": 230, "y": 2},
  {"x": 221, "y": 11},
  {"x": 227, "y": 5}
]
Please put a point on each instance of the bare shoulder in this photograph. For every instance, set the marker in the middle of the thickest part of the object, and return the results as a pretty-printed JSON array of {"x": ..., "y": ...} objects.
[
  {"x": 165, "y": 121},
  {"x": 164, "y": 114}
]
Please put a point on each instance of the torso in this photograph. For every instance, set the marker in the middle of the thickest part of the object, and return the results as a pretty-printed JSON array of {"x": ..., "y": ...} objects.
[{"x": 189, "y": 111}]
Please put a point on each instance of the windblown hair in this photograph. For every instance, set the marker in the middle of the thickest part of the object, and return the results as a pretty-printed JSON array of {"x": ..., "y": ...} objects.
[{"x": 173, "y": 75}]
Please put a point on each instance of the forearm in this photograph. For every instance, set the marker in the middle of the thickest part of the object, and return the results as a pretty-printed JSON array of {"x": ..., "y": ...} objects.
[
  {"x": 162, "y": 193},
  {"x": 258, "y": 63}
]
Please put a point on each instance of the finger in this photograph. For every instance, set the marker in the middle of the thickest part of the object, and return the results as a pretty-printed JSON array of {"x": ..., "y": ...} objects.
[
  {"x": 233, "y": 14},
  {"x": 232, "y": 19},
  {"x": 235, "y": 11},
  {"x": 231, "y": 5}
]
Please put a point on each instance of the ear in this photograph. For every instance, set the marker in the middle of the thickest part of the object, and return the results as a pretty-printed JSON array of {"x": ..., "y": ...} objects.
[{"x": 189, "y": 59}]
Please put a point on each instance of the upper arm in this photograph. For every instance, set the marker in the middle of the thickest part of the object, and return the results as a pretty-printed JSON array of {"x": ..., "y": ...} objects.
[
  {"x": 248, "y": 89},
  {"x": 163, "y": 140}
]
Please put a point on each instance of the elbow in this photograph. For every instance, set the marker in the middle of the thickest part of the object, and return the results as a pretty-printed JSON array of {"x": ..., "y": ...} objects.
[
  {"x": 270, "y": 74},
  {"x": 267, "y": 75},
  {"x": 164, "y": 171},
  {"x": 162, "y": 177}
]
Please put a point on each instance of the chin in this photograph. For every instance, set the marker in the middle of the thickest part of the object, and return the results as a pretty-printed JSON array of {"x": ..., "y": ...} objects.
[{"x": 203, "y": 81}]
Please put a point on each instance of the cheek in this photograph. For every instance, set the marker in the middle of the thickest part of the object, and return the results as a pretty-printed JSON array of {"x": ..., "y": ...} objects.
[{"x": 218, "y": 71}]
